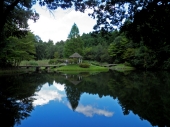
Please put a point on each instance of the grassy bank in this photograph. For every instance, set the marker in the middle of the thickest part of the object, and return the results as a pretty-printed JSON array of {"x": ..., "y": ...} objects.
[
  {"x": 70, "y": 67},
  {"x": 75, "y": 67},
  {"x": 15, "y": 71},
  {"x": 122, "y": 67},
  {"x": 34, "y": 62}
]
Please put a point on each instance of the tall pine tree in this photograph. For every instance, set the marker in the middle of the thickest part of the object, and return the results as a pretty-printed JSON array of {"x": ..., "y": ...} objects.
[{"x": 74, "y": 33}]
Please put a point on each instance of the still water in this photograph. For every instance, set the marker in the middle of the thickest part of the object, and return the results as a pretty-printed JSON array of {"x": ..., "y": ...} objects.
[{"x": 107, "y": 99}]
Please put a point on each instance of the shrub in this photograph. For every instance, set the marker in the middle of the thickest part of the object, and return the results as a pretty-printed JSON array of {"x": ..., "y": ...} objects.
[
  {"x": 127, "y": 64},
  {"x": 84, "y": 65},
  {"x": 52, "y": 61},
  {"x": 32, "y": 63},
  {"x": 70, "y": 61},
  {"x": 95, "y": 63}
]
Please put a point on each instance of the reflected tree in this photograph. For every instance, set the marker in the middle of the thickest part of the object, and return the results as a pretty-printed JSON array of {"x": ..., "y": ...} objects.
[
  {"x": 16, "y": 95},
  {"x": 143, "y": 93},
  {"x": 73, "y": 95}
]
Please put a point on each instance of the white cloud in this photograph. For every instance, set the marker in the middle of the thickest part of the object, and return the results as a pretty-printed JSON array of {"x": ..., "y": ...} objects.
[
  {"x": 57, "y": 25},
  {"x": 58, "y": 86},
  {"x": 90, "y": 111},
  {"x": 45, "y": 95}
]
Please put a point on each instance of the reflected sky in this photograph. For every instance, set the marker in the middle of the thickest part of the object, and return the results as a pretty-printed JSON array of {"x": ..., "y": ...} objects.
[
  {"x": 90, "y": 111},
  {"x": 52, "y": 109},
  {"x": 49, "y": 93}
]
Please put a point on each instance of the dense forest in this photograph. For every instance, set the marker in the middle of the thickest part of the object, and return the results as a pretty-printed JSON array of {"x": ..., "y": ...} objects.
[{"x": 141, "y": 41}]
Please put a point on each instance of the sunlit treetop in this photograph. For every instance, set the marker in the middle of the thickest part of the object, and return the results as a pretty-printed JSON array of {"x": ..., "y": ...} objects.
[{"x": 74, "y": 32}]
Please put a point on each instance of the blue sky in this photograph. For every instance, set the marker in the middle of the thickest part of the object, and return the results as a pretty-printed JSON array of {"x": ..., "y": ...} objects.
[{"x": 57, "y": 24}]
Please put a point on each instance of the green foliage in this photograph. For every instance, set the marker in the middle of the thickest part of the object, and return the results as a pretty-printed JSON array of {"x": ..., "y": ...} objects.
[
  {"x": 74, "y": 33},
  {"x": 14, "y": 16},
  {"x": 56, "y": 55},
  {"x": 95, "y": 63},
  {"x": 76, "y": 67},
  {"x": 38, "y": 62},
  {"x": 166, "y": 64},
  {"x": 40, "y": 47},
  {"x": 129, "y": 54},
  {"x": 84, "y": 65},
  {"x": 144, "y": 58},
  {"x": 88, "y": 53},
  {"x": 59, "y": 47},
  {"x": 52, "y": 61},
  {"x": 117, "y": 48},
  {"x": 32, "y": 63},
  {"x": 127, "y": 64},
  {"x": 17, "y": 49},
  {"x": 58, "y": 61},
  {"x": 73, "y": 45},
  {"x": 49, "y": 50},
  {"x": 150, "y": 25}
]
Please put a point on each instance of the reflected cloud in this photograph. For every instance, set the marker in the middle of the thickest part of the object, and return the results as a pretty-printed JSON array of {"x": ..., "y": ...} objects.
[
  {"x": 58, "y": 86},
  {"x": 90, "y": 111},
  {"x": 47, "y": 94}
]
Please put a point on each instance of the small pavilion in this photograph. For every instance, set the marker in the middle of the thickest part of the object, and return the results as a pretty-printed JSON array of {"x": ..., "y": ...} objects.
[{"x": 77, "y": 56}]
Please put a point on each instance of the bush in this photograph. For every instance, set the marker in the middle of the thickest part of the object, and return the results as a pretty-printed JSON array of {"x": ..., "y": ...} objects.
[
  {"x": 95, "y": 63},
  {"x": 32, "y": 63},
  {"x": 52, "y": 61},
  {"x": 84, "y": 65},
  {"x": 127, "y": 64}
]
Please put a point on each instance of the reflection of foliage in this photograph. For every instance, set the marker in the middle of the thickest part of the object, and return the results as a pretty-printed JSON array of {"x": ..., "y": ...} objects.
[
  {"x": 16, "y": 93},
  {"x": 144, "y": 93},
  {"x": 73, "y": 95},
  {"x": 15, "y": 111}
]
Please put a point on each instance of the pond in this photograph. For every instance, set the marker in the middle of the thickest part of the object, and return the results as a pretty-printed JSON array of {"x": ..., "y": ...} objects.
[{"x": 107, "y": 99}]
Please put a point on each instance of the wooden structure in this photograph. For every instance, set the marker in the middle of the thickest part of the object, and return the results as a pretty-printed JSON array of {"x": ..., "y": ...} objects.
[
  {"x": 37, "y": 67},
  {"x": 109, "y": 65},
  {"x": 77, "y": 56}
]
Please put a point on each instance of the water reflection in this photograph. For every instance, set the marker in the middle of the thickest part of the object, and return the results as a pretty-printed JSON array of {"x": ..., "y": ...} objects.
[
  {"x": 47, "y": 94},
  {"x": 90, "y": 111},
  {"x": 16, "y": 98},
  {"x": 145, "y": 94}
]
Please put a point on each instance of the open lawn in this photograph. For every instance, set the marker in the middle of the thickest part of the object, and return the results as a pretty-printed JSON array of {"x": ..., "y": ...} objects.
[
  {"x": 34, "y": 62},
  {"x": 122, "y": 67},
  {"x": 75, "y": 67}
]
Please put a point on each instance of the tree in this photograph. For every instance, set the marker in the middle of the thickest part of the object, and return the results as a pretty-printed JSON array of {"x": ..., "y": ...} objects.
[
  {"x": 74, "y": 33},
  {"x": 109, "y": 13},
  {"x": 40, "y": 50},
  {"x": 17, "y": 50},
  {"x": 105, "y": 10},
  {"x": 73, "y": 45},
  {"x": 49, "y": 49},
  {"x": 150, "y": 27},
  {"x": 14, "y": 15},
  {"x": 59, "y": 47},
  {"x": 117, "y": 48}
]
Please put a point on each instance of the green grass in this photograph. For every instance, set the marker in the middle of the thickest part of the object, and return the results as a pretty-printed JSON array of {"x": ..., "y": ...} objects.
[
  {"x": 122, "y": 67},
  {"x": 15, "y": 71},
  {"x": 34, "y": 62},
  {"x": 75, "y": 67}
]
